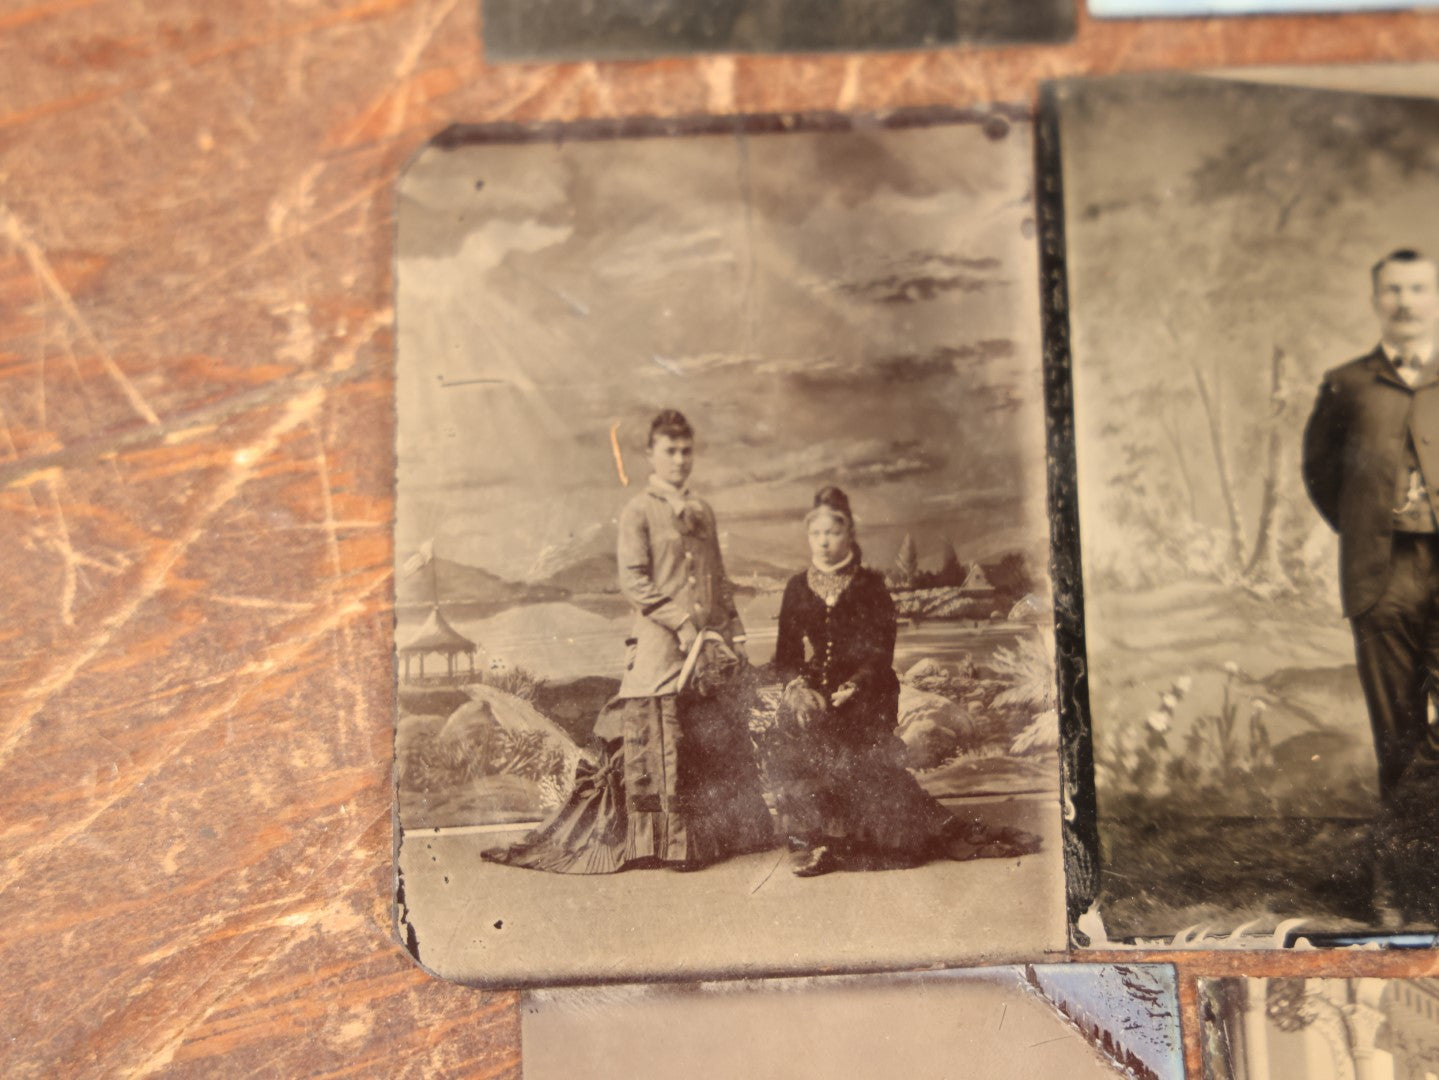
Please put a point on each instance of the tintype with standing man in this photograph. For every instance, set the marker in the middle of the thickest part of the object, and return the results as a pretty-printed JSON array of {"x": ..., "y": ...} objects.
[{"x": 1251, "y": 319}]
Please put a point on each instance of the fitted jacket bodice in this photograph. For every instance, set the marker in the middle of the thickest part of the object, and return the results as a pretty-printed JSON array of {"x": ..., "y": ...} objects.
[
  {"x": 848, "y": 641},
  {"x": 669, "y": 572}
]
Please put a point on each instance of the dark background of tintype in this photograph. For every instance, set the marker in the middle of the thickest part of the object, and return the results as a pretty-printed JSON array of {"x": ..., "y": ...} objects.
[
  {"x": 195, "y": 497},
  {"x": 634, "y": 29}
]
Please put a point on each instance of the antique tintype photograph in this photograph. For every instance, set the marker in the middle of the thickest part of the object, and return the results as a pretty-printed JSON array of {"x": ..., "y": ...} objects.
[
  {"x": 1320, "y": 1029},
  {"x": 1079, "y": 1021},
  {"x": 531, "y": 30},
  {"x": 1252, "y": 307},
  {"x": 1138, "y": 9},
  {"x": 724, "y": 634}
]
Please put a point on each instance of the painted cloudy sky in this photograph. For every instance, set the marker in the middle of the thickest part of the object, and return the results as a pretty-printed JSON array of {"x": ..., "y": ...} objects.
[{"x": 854, "y": 308}]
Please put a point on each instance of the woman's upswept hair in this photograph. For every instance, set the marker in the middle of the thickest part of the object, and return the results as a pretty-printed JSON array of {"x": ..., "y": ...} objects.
[
  {"x": 833, "y": 502},
  {"x": 670, "y": 422}
]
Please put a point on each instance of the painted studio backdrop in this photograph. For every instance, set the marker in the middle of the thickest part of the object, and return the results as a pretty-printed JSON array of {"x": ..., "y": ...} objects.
[{"x": 1218, "y": 268}]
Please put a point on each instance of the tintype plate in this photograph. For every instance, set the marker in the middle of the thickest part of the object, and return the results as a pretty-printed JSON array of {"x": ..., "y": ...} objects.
[
  {"x": 634, "y": 29},
  {"x": 828, "y": 301},
  {"x": 1242, "y": 506},
  {"x": 1319, "y": 1029},
  {"x": 1079, "y": 1021},
  {"x": 1158, "y": 9}
]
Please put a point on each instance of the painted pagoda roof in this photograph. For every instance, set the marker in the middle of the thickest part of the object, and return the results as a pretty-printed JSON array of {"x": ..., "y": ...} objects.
[
  {"x": 976, "y": 581},
  {"x": 437, "y": 635}
]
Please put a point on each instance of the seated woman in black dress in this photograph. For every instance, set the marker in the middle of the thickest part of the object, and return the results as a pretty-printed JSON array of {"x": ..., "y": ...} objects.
[{"x": 844, "y": 798}]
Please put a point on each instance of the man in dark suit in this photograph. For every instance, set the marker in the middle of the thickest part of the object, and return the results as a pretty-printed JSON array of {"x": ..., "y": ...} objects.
[{"x": 1371, "y": 465}]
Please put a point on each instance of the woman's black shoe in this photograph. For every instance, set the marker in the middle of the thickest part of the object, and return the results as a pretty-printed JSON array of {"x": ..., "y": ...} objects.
[{"x": 820, "y": 859}]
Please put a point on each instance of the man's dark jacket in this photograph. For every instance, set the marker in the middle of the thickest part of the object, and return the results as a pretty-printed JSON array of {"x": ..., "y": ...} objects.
[{"x": 1354, "y": 451}]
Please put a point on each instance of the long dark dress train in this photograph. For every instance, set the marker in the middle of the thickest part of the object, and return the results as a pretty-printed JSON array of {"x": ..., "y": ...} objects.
[
  {"x": 836, "y": 771},
  {"x": 679, "y": 787}
]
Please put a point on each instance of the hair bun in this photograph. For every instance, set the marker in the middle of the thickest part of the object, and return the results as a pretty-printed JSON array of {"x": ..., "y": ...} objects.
[{"x": 833, "y": 498}]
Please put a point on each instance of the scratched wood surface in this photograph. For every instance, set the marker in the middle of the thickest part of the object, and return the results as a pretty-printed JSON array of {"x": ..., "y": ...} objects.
[{"x": 195, "y": 497}]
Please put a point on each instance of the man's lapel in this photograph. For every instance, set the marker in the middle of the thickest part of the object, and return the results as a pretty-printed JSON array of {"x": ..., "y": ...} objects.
[{"x": 1383, "y": 370}]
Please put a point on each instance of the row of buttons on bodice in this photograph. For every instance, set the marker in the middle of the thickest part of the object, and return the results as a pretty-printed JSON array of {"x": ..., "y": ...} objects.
[{"x": 828, "y": 644}]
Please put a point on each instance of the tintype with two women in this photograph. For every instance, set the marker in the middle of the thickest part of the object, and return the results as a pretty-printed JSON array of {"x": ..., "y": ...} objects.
[
  {"x": 723, "y": 454},
  {"x": 679, "y": 785}
]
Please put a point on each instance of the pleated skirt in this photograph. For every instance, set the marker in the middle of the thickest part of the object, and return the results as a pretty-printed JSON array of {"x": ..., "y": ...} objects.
[{"x": 681, "y": 787}]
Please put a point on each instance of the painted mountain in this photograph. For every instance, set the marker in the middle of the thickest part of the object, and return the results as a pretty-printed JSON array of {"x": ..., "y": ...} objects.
[
  {"x": 583, "y": 563},
  {"x": 455, "y": 583},
  {"x": 586, "y": 563}
]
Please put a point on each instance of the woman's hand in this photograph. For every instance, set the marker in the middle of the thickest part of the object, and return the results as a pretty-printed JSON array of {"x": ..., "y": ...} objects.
[
  {"x": 843, "y": 694},
  {"x": 687, "y": 633}
]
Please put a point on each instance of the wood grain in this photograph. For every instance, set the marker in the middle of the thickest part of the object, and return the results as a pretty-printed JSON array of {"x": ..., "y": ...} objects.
[{"x": 196, "y": 488}]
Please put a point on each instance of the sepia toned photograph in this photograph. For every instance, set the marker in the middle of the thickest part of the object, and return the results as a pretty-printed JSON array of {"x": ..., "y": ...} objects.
[
  {"x": 1159, "y": 9},
  {"x": 1319, "y": 1029},
  {"x": 530, "y": 30},
  {"x": 1079, "y": 1021},
  {"x": 1252, "y": 308},
  {"x": 724, "y": 634}
]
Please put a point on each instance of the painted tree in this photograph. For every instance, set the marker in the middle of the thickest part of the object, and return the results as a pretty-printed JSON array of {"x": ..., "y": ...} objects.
[
  {"x": 951, "y": 570},
  {"x": 1217, "y": 270},
  {"x": 906, "y": 563}
]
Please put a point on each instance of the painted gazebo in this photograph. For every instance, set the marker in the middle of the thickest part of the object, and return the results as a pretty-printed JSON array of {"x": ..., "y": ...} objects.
[
  {"x": 976, "y": 583},
  {"x": 437, "y": 636}
]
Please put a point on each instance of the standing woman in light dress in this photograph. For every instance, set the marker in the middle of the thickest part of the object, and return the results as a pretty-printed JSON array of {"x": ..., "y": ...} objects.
[{"x": 678, "y": 785}]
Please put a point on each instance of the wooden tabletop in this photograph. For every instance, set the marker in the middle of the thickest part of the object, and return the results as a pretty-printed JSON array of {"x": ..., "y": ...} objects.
[{"x": 196, "y": 465}]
